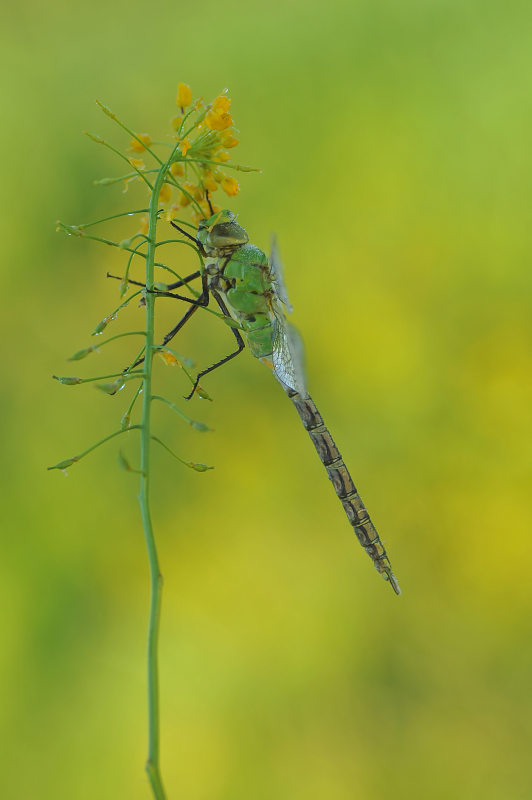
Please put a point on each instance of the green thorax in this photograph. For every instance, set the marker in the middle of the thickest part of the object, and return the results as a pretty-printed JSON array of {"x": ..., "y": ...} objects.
[
  {"x": 244, "y": 278},
  {"x": 249, "y": 287}
]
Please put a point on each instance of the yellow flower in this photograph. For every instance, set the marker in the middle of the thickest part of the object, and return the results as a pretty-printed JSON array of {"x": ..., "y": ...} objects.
[
  {"x": 138, "y": 163},
  {"x": 210, "y": 184},
  {"x": 198, "y": 192},
  {"x": 196, "y": 216},
  {"x": 144, "y": 225},
  {"x": 185, "y": 200},
  {"x": 218, "y": 120},
  {"x": 177, "y": 169},
  {"x": 230, "y": 186},
  {"x": 169, "y": 358},
  {"x": 184, "y": 145},
  {"x": 228, "y": 140},
  {"x": 222, "y": 157},
  {"x": 165, "y": 194},
  {"x": 222, "y": 103},
  {"x": 175, "y": 122},
  {"x": 168, "y": 216},
  {"x": 184, "y": 95},
  {"x": 136, "y": 146}
]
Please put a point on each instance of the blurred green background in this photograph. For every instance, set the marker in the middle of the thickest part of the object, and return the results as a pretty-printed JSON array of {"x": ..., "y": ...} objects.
[{"x": 394, "y": 139}]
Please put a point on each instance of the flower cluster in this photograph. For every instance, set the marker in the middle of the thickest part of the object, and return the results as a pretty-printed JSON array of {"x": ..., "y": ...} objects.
[{"x": 204, "y": 134}]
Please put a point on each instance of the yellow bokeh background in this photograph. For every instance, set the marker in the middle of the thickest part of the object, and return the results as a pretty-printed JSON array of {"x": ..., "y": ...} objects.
[{"x": 394, "y": 139}]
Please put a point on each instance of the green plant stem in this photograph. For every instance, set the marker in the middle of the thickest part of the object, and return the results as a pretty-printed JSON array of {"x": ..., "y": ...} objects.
[
  {"x": 224, "y": 164},
  {"x": 114, "y": 216},
  {"x": 153, "y": 762},
  {"x": 102, "y": 441}
]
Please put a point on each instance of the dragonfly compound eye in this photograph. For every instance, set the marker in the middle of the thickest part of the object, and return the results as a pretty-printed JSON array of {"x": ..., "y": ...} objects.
[{"x": 221, "y": 232}]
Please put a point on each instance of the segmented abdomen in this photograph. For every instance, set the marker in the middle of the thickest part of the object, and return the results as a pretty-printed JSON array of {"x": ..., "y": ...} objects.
[{"x": 343, "y": 485}]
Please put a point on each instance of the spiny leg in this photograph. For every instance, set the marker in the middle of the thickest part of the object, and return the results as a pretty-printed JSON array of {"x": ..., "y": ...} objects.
[
  {"x": 203, "y": 301},
  {"x": 189, "y": 236},
  {"x": 238, "y": 337},
  {"x": 175, "y": 285}
]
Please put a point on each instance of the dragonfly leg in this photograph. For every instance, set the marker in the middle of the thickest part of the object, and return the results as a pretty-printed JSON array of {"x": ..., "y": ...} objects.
[
  {"x": 203, "y": 298},
  {"x": 175, "y": 285},
  {"x": 184, "y": 281},
  {"x": 203, "y": 301},
  {"x": 238, "y": 337},
  {"x": 192, "y": 238}
]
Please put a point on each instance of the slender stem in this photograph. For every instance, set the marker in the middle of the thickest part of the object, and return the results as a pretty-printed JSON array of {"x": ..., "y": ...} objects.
[
  {"x": 126, "y": 419},
  {"x": 114, "y": 216},
  {"x": 137, "y": 374},
  {"x": 152, "y": 764},
  {"x": 192, "y": 464},
  {"x": 138, "y": 171},
  {"x": 199, "y": 426},
  {"x": 131, "y": 133},
  {"x": 119, "y": 336},
  {"x": 102, "y": 441},
  {"x": 224, "y": 164}
]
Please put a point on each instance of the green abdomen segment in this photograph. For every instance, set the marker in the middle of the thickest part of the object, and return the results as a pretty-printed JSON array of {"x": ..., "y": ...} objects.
[{"x": 344, "y": 486}]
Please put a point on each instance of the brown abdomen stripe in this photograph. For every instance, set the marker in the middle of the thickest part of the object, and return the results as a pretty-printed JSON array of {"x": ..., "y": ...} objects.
[{"x": 343, "y": 485}]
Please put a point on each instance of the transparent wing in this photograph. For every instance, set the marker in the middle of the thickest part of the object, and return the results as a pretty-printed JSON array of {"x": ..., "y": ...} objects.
[
  {"x": 288, "y": 354},
  {"x": 277, "y": 275}
]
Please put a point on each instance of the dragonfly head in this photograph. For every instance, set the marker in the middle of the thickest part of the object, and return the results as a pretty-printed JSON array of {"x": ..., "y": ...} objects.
[{"x": 221, "y": 233}]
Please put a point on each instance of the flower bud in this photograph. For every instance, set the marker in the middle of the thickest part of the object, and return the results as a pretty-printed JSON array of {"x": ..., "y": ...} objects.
[
  {"x": 81, "y": 354},
  {"x": 106, "y": 110},
  {"x": 111, "y": 388},
  {"x": 165, "y": 195},
  {"x": 184, "y": 199},
  {"x": 175, "y": 122},
  {"x": 198, "y": 193},
  {"x": 200, "y": 467},
  {"x": 160, "y": 287},
  {"x": 124, "y": 286},
  {"x": 200, "y": 426},
  {"x": 230, "y": 186},
  {"x": 228, "y": 140},
  {"x": 64, "y": 464},
  {"x": 223, "y": 157},
  {"x": 139, "y": 147},
  {"x": 67, "y": 381},
  {"x": 202, "y": 394},
  {"x": 94, "y": 137},
  {"x": 144, "y": 225},
  {"x": 184, "y": 95},
  {"x": 210, "y": 184},
  {"x": 177, "y": 169},
  {"x": 100, "y": 327},
  {"x": 126, "y": 421}
]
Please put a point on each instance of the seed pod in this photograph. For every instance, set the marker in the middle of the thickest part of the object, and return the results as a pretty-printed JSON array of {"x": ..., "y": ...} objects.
[
  {"x": 81, "y": 354},
  {"x": 67, "y": 381}
]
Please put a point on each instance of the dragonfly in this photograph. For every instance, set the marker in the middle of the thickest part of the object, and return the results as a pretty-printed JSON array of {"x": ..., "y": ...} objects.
[{"x": 249, "y": 288}]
